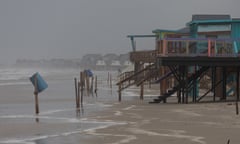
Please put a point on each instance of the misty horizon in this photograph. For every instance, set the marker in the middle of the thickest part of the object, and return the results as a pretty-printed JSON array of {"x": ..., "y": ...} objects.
[{"x": 50, "y": 29}]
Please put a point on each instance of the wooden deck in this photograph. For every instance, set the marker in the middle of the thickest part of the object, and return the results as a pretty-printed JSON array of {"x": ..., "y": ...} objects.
[
  {"x": 217, "y": 58},
  {"x": 144, "y": 56}
]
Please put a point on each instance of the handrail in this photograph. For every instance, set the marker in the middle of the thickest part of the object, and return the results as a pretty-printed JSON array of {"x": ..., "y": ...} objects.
[
  {"x": 191, "y": 47},
  {"x": 136, "y": 73}
]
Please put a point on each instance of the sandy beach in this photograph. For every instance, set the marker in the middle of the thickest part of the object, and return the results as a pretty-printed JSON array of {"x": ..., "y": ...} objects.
[
  {"x": 204, "y": 123},
  {"x": 104, "y": 120}
]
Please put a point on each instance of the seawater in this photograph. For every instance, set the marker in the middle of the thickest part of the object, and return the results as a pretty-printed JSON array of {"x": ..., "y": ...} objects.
[{"x": 57, "y": 105}]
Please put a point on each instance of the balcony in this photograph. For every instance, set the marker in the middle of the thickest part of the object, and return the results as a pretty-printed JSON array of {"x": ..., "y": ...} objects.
[{"x": 148, "y": 56}]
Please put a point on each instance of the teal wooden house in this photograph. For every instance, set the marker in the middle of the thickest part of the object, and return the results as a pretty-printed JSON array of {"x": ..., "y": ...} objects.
[
  {"x": 221, "y": 27},
  {"x": 208, "y": 46}
]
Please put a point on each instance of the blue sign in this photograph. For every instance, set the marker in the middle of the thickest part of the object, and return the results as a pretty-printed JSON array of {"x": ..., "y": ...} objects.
[
  {"x": 88, "y": 72},
  {"x": 41, "y": 84}
]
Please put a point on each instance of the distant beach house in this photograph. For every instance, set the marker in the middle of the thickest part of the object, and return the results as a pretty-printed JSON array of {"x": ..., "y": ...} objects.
[
  {"x": 127, "y": 63},
  {"x": 109, "y": 61},
  {"x": 115, "y": 63},
  {"x": 100, "y": 63}
]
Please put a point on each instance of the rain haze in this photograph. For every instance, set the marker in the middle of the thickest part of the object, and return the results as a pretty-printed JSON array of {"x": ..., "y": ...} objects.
[{"x": 46, "y": 29}]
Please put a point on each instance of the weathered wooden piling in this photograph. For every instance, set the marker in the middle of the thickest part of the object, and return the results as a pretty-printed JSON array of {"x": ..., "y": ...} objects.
[
  {"x": 120, "y": 92},
  {"x": 92, "y": 81},
  {"x": 142, "y": 91},
  {"x": 76, "y": 91},
  {"x": 87, "y": 82},
  {"x": 36, "y": 94},
  {"x": 82, "y": 83},
  {"x": 108, "y": 79},
  {"x": 78, "y": 95},
  {"x": 111, "y": 81},
  {"x": 95, "y": 85},
  {"x": 237, "y": 108}
]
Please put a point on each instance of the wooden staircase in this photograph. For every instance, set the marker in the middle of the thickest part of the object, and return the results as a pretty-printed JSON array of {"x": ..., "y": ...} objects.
[
  {"x": 180, "y": 85},
  {"x": 130, "y": 78}
]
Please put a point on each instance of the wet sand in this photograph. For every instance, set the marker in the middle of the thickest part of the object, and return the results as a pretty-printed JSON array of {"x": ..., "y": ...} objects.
[
  {"x": 132, "y": 121},
  {"x": 204, "y": 123}
]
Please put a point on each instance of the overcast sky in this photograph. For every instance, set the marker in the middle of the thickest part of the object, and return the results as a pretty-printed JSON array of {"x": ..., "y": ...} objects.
[{"x": 72, "y": 28}]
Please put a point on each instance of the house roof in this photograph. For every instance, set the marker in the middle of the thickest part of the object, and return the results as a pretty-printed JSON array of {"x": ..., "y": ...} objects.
[
  {"x": 140, "y": 36},
  {"x": 210, "y": 17},
  {"x": 182, "y": 30},
  {"x": 163, "y": 30},
  {"x": 213, "y": 19}
]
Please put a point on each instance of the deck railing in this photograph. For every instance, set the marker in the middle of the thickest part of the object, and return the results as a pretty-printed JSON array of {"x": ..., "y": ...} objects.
[
  {"x": 146, "y": 56},
  {"x": 200, "y": 47}
]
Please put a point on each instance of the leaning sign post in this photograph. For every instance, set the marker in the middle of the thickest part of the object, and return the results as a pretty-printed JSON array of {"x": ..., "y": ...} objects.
[{"x": 39, "y": 85}]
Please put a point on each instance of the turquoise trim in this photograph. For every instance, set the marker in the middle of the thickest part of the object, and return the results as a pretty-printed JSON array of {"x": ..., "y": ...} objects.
[
  {"x": 212, "y": 21},
  {"x": 236, "y": 33},
  {"x": 235, "y": 48}
]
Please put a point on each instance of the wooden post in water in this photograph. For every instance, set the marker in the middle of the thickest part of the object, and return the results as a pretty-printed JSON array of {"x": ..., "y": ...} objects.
[
  {"x": 92, "y": 81},
  {"x": 228, "y": 142},
  {"x": 36, "y": 94},
  {"x": 111, "y": 81},
  {"x": 82, "y": 82},
  {"x": 108, "y": 79},
  {"x": 76, "y": 91},
  {"x": 95, "y": 85},
  {"x": 87, "y": 81},
  {"x": 142, "y": 91},
  {"x": 78, "y": 95},
  {"x": 120, "y": 92}
]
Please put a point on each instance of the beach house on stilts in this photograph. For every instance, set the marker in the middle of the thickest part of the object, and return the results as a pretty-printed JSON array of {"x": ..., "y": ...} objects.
[{"x": 207, "y": 49}]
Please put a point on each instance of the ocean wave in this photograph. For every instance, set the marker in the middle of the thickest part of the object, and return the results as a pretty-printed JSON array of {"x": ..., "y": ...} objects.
[{"x": 20, "y": 76}]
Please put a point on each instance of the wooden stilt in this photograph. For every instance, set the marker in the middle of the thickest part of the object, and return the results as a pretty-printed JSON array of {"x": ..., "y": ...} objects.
[
  {"x": 92, "y": 81},
  {"x": 108, "y": 79},
  {"x": 224, "y": 86},
  {"x": 76, "y": 91},
  {"x": 142, "y": 91},
  {"x": 228, "y": 142},
  {"x": 95, "y": 85},
  {"x": 87, "y": 81},
  {"x": 237, "y": 109},
  {"x": 36, "y": 94},
  {"x": 120, "y": 93},
  {"x": 111, "y": 81},
  {"x": 237, "y": 85},
  {"x": 82, "y": 83},
  {"x": 214, "y": 82},
  {"x": 78, "y": 95},
  {"x": 186, "y": 85}
]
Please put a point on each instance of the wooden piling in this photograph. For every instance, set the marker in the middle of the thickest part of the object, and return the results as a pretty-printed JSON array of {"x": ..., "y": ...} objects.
[
  {"x": 108, "y": 79},
  {"x": 237, "y": 108},
  {"x": 92, "y": 81},
  {"x": 111, "y": 81},
  {"x": 82, "y": 83},
  {"x": 95, "y": 85},
  {"x": 76, "y": 91},
  {"x": 88, "y": 89},
  {"x": 36, "y": 94},
  {"x": 142, "y": 91},
  {"x": 120, "y": 93},
  {"x": 78, "y": 95}
]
